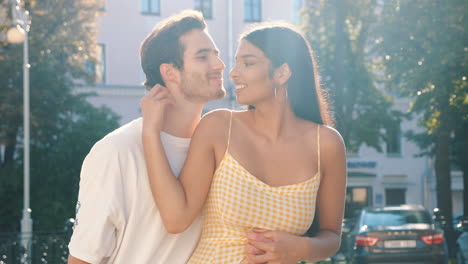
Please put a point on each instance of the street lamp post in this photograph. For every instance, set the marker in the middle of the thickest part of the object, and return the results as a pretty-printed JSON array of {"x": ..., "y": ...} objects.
[{"x": 19, "y": 34}]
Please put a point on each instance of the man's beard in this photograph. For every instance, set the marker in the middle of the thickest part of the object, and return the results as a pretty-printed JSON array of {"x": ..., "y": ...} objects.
[{"x": 196, "y": 90}]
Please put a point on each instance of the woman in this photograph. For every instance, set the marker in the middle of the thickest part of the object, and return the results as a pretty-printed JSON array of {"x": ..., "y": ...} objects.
[{"x": 268, "y": 167}]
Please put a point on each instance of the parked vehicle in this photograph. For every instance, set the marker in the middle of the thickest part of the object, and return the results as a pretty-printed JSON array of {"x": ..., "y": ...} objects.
[
  {"x": 346, "y": 242},
  {"x": 461, "y": 248},
  {"x": 396, "y": 234}
]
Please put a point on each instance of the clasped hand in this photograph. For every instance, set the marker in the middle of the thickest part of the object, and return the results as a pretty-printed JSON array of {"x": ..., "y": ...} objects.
[{"x": 272, "y": 247}]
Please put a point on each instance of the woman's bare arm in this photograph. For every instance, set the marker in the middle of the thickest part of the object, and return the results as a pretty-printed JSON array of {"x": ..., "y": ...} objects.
[
  {"x": 181, "y": 200},
  {"x": 331, "y": 195},
  {"x": 73, "y": 260}
]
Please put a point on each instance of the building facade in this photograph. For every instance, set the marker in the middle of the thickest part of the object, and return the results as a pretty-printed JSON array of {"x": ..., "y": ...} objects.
[
  {"x": 393, "y": 176},
  {"x": 124, "y": 24}
]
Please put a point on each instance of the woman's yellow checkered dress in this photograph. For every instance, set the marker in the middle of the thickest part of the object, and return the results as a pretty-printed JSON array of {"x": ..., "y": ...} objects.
[{"x": 238, "y": 201}]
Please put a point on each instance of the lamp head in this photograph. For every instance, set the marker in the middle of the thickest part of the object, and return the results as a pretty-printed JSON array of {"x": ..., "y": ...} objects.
[{"x": 16, "y": 35}]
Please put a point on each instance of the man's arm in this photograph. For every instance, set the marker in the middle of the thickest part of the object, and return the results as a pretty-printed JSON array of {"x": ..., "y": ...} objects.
[{"x": 94, "y": 233}]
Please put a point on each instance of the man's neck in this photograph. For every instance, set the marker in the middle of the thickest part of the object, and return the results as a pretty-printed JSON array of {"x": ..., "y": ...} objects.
[{"x": 182, "y": 119}]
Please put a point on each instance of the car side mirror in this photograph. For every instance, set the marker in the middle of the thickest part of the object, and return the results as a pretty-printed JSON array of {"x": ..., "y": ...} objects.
[
  {"x": 347, "y": 225},
  {"x": 462, "y": 224}
]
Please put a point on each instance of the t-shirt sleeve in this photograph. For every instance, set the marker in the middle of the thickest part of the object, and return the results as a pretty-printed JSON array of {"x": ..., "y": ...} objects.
[{"x": 94, "y": 233}]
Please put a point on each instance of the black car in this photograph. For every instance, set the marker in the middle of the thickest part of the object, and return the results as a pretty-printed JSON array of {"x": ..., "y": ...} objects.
[
  {"x": 396, "y": 234},
  {"x": 461, "y": 248}
]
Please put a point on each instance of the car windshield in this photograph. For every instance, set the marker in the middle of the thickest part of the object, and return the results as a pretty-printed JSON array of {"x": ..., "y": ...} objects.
[{"x": 395, "y": 217}]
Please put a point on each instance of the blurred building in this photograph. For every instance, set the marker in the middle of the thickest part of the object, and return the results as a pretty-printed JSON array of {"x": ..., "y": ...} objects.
[
  {"x": 394, "y": 176},
  {"x": 125, "y": 23}
]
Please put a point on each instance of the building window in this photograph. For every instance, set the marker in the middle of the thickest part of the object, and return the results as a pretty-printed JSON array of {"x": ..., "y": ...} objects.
[
  {"x": 151, "y": 7},
  {"x": 395, "y": 196},
  {"x": 394, "y": 140},
  {"x": 252, "y": 10},
  {"x": 98, "y": 68},
  {"x": 102, "y": 4},
  {"x": 205, "y": 6},
  {"x": 356, "y": 199}
]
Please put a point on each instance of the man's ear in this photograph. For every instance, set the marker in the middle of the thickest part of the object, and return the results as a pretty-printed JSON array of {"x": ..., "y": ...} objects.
[
  {"x": 282, "y": 74},
  {"x": 169, "y": 73}
]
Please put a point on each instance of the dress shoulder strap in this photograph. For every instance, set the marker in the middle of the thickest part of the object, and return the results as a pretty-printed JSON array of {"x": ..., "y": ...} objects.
[
  {"x": 229, "y": 132},
  {"x": 318, "y": 149}
]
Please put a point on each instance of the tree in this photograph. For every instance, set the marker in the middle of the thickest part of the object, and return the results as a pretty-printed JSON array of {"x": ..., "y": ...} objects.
[
  {"x": 63, "y": 125},
  {"x": 339, "y": 32},
  {"x": 425, "y": 48},
  {"x": 460, "y": 154},
  {"x": 460, "y": 139}
]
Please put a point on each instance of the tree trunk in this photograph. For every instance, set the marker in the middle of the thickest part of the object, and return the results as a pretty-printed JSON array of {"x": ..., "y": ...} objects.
[
  {"x": 461, "y": 160},
  {"x": 465, "y": 191},
  {"x": 442, "y": 169}
]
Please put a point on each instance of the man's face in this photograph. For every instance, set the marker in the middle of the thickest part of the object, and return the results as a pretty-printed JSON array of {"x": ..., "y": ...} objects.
[{"x": 202, "y": 73}]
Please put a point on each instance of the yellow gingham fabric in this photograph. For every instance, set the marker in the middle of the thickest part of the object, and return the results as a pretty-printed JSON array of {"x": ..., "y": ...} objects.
[{"x": 238, "y": 201}]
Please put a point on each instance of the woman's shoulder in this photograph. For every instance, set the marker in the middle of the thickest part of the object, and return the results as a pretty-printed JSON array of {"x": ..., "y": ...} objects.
[
  {"x": 331, "y": 141},
  {"x": 217, "y": 113},
  {"x": 329, "y": 137},
  {"x": 215, "y": 123},
  {"x": 216, "y": 118},
  {"x": 329, "y": 133}
]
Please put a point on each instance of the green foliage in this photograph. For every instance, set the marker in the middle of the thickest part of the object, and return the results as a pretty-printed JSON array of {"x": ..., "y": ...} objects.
[
  {"x": 426, "y": 51},
  {"x": 57, "y": 164},
  {"x": 63, "y": 125},
  {"x": 339, "y": 32}
]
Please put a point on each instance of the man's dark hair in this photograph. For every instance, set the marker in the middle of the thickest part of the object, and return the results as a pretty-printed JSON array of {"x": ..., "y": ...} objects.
[{"x": 163, "y": 44}]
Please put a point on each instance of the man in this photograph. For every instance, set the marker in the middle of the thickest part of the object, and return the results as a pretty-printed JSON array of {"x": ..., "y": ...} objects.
[{"x": 117, "y": 220}]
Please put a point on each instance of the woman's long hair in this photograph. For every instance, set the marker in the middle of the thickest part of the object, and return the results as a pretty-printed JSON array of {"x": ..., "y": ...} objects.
[{"x": 282, "y": 43}]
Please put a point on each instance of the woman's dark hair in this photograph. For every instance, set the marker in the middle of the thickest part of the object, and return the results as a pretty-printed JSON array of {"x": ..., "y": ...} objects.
[{"x": 282, "y": 43}]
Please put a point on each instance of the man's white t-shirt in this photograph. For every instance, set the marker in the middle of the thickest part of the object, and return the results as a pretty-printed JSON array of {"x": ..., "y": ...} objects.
[{"x": 117, "y": 220}]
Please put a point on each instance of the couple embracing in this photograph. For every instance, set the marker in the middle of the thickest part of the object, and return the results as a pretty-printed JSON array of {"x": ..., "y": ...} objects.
[{"x": 231, "y": 187}]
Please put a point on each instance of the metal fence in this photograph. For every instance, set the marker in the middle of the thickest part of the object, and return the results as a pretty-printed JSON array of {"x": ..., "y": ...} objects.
[{"x": 42, "y": 247}]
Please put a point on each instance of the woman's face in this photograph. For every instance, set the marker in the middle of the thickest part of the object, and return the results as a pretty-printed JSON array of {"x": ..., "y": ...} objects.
[{"x": 251, "y": 75}]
